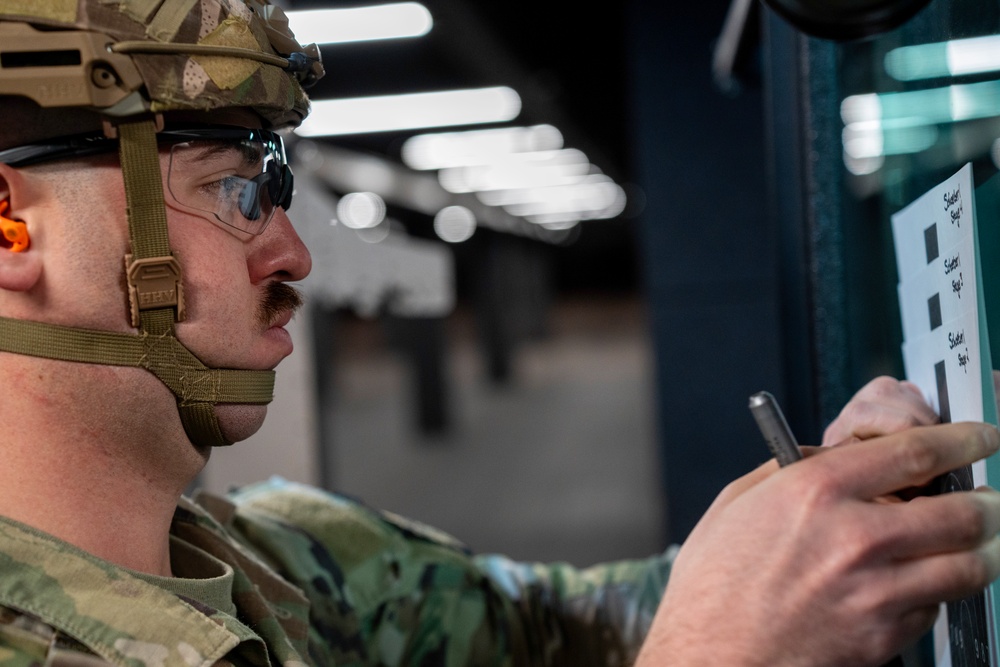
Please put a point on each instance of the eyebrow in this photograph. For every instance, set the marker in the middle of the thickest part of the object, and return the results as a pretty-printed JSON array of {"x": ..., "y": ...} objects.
[{"x": 250, "y": 154}]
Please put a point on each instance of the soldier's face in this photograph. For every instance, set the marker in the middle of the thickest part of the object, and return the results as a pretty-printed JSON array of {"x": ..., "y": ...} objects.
[{"x": 237, "y": 300}]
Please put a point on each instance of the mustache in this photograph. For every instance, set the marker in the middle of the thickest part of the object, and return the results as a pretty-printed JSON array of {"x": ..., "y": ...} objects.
[{"x": 278, "y": 298}]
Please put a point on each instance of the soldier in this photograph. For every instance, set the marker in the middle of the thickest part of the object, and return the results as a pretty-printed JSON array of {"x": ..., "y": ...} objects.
[{"x": 143, "y": 292}]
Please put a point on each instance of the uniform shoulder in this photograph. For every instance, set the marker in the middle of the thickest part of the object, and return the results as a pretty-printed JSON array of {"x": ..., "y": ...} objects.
[{"x": 336, "y": 517}]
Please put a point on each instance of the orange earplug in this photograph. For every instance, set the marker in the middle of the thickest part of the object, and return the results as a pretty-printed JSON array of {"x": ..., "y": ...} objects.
[{"x": 14, "y": 232}]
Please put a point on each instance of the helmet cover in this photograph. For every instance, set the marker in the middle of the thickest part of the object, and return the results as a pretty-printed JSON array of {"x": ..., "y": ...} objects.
[{"x": 74, "y": 61}]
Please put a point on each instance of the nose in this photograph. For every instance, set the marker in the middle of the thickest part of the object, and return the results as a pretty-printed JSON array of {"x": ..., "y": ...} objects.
[{"x": 278, "y": 253}]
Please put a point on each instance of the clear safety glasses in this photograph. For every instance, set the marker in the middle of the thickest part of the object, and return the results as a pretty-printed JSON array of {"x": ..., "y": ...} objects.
[{"x": 238, "y": 176}]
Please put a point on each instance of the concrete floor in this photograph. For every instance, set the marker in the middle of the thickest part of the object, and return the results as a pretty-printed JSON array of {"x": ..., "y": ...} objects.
[{"x": 559, "y": 464}]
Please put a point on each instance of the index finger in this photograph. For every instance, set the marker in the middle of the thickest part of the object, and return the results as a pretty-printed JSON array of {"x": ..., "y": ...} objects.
[{"x": 877, "y": 467}]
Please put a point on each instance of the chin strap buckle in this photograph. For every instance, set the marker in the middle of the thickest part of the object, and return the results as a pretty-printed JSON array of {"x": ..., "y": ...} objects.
[{"x": 154, "y": 283}]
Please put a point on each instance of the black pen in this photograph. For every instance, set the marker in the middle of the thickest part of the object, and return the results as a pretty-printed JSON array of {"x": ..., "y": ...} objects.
[{"x": 774, "y": 428}]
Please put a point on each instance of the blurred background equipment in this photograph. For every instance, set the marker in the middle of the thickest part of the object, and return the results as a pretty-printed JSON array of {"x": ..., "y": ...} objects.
[{"x": 846, "y": 19}]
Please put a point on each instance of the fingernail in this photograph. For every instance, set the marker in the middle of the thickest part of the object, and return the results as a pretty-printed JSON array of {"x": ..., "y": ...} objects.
[
  {"x": 990, "y": 553},
  {"x": 991, "y": 437},
  {"x": 990, "y": 503}
]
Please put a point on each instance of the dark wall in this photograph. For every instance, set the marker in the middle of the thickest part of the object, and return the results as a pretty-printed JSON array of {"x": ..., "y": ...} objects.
[{"x": 708, "y": 249}]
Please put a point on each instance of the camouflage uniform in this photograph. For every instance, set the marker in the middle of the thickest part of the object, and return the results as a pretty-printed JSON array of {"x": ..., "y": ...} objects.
[{"x": 293, "y": 575}]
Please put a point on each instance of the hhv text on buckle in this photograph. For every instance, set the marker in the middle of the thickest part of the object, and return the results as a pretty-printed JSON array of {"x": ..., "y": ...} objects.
[{"x": 154, "y": 282}]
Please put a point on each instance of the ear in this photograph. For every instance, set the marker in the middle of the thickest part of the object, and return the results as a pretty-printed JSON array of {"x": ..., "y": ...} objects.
[{"x": 19, "y": 271}]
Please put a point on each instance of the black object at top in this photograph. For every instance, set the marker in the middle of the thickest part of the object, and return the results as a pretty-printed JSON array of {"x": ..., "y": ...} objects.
[{"x": 846, "y": 19}]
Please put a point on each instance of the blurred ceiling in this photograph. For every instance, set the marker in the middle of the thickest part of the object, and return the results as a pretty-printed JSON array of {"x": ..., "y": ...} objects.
[{"x": 567, "y": 63}]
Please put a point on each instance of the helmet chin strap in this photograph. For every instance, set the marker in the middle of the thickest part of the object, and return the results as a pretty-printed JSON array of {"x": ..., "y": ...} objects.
[{"x": 156, "y": 301}]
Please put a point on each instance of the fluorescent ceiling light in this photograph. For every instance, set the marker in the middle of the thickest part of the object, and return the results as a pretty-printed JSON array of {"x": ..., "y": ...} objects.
[
  {"x": 868, "y": 139},
  {"x": 954, "y": 58},
  {"x": 596, "y": 198},
  {"x": 360, "y": 24},
  {"x": 459, "y": 149},
  {"x": 934, "y": 105},
  {"x": 455, "y": 224},
  {"x": 556, "y": 225},
  {"x": 406, "y": 112},
  {"x": 592, "y": 193},
  {"x": 863, "y": 166},
  {"x": 518, "y": 170},
  {"x": 361, "y": 210}
]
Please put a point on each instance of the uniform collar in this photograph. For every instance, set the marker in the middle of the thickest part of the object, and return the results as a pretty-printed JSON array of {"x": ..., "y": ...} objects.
[{"x": 103, "y": 606}]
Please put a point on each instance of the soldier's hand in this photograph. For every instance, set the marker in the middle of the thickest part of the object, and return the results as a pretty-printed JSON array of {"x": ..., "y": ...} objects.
[{"x": 808, "y": 565}]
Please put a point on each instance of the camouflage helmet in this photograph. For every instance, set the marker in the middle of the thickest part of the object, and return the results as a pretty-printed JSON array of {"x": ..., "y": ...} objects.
[
  {"x": 73, "y": 63},
  {"x": 114, "y": 72}
]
